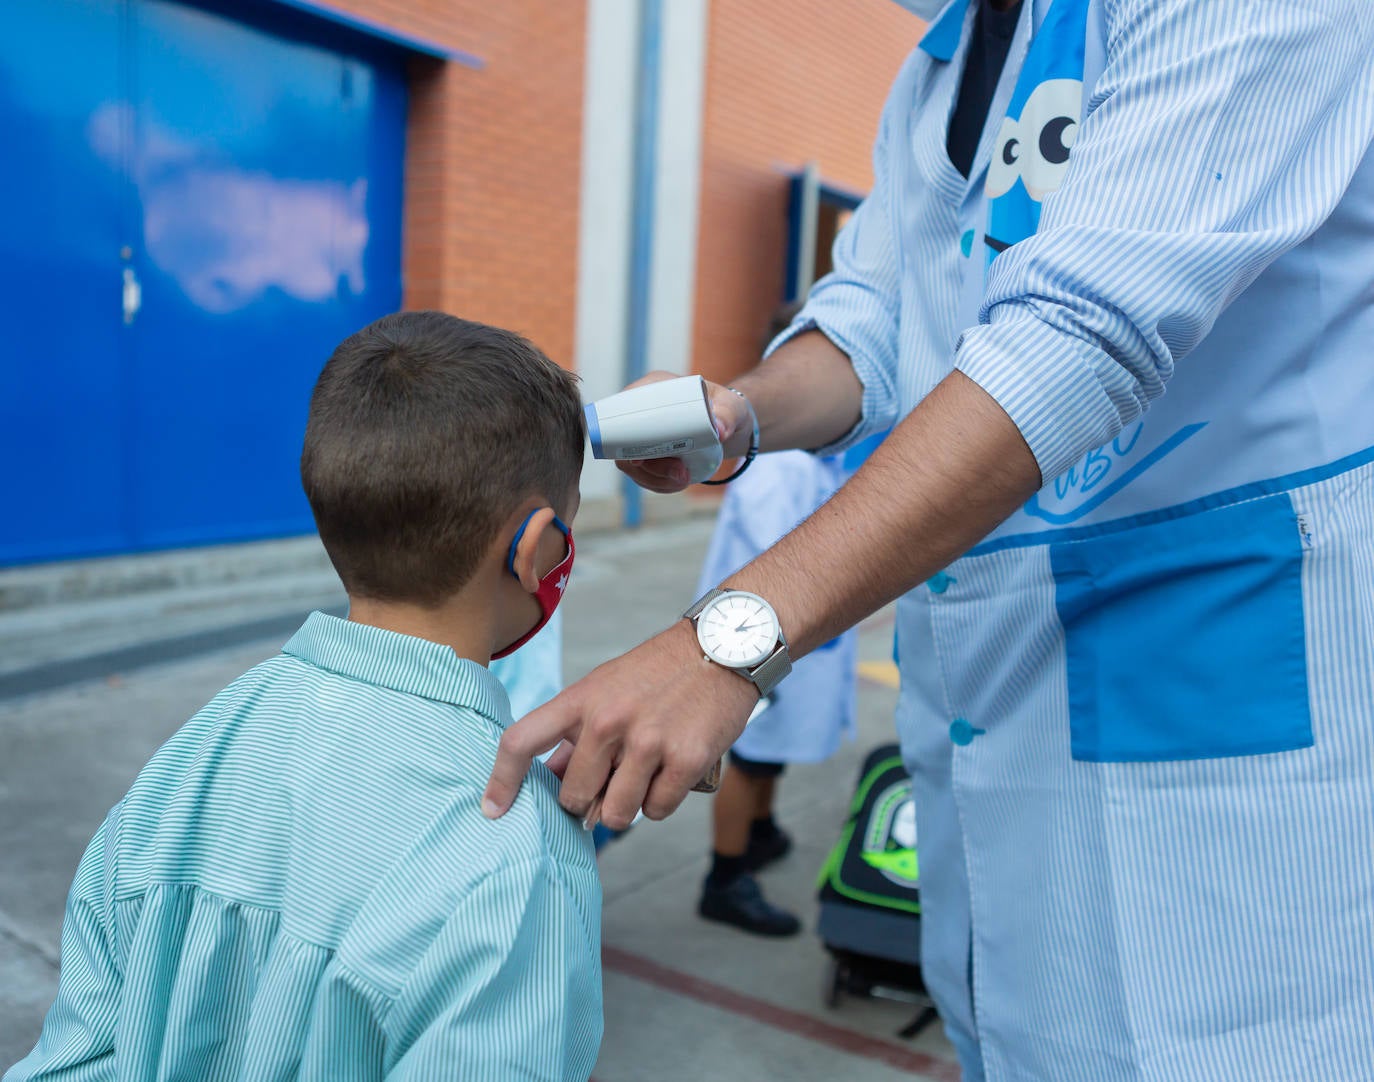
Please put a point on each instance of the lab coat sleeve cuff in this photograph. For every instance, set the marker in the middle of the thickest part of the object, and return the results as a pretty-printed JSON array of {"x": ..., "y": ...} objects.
[
  {"x": 1065, "y": 395},
  {"x": 878, "y": 409}
]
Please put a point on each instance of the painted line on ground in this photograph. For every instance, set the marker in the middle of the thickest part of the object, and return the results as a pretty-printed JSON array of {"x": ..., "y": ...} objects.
[
  {"x": 882, "y": 673},
  {"x": 796, "y": 1023},
  {"x": 884, "y": 617},
  {"x": 127, "y": 659}
]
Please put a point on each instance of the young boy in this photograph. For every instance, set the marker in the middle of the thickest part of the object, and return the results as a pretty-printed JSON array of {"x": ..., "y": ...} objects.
[{"x": 301, "y": 884}]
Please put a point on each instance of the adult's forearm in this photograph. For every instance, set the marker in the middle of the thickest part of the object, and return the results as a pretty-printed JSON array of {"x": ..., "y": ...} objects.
[
  {"x": 805, "y": 395},
  {"x": 947, "y": 475}
]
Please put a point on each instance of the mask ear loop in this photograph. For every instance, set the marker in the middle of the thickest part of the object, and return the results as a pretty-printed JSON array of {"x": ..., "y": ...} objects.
[
  {"x": 520, "y": 533},
  {"x": 549, "y": 593}
]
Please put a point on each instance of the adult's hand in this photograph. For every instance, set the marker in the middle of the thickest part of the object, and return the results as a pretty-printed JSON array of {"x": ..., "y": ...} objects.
[
  {"x": 653, "y": 721},
  {"x": 805, "y": 395},
  {"x": 733, "y": 425}
]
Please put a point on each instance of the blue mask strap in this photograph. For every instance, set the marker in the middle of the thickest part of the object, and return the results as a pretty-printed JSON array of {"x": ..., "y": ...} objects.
[{"x": 515, "y": 542}]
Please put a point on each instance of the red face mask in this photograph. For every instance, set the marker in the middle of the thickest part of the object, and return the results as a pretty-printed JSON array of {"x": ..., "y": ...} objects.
[{"x": 551, "y": 586}]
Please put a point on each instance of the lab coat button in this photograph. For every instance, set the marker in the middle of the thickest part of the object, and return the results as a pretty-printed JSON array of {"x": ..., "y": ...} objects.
[
  {"x": 962, "y": 733},
  {"x": 939, "y": 582}
]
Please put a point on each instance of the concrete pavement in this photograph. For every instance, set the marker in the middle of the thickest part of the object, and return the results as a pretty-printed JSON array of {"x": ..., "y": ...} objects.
[{"x": 685, "y": 1000}]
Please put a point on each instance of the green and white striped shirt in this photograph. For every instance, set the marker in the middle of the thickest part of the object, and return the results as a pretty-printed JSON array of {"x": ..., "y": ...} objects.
[{"x": 301, "y": 885}]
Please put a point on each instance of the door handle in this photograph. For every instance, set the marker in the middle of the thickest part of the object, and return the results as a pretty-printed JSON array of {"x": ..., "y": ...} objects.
[{"x": 133, "y": 295}]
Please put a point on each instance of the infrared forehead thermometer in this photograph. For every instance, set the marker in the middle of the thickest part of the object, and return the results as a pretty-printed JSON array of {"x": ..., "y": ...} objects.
[{"x": 667, "y": 419}]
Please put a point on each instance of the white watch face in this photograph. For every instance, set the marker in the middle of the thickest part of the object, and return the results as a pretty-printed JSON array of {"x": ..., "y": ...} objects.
[{"x": 738, "y": 630}]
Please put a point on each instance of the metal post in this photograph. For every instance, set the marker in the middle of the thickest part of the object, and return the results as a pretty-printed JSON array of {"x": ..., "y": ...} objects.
[
  {"x": 642, "y": 221},
  {"x": 808, "y": 216}
]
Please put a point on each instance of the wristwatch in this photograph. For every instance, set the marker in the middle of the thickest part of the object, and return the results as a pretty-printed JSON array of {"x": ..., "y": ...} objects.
[{"x": 740, "y": 631}]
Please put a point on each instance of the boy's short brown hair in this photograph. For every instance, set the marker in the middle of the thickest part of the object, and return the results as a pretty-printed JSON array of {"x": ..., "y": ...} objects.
[{"x": 425, "y": 432}]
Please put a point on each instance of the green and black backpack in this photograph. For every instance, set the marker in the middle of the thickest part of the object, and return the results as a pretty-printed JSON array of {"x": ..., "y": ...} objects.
[{"x": 870, "y": 909}]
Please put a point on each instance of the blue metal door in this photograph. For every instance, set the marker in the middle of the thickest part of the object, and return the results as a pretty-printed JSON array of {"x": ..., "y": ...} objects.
[
  {"x": 268, "y": 173},
  {"x": 256, "y": 168},
  {"x": 62, "y": 360}
]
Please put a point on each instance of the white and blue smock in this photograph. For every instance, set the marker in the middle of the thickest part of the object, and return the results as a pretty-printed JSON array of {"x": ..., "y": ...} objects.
[
  {"x": 1140, "y": 715},
  {"x": 813, "y": 709}
]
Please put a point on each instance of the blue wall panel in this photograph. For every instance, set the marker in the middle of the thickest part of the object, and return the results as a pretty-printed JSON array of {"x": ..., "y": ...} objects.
[
  {"x": 258, "y": 177},
  {"x": 62, "y": 359}
]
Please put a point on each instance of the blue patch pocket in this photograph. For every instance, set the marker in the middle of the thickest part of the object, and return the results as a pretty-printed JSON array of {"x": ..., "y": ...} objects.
[{"x": 1185, "y": 637}]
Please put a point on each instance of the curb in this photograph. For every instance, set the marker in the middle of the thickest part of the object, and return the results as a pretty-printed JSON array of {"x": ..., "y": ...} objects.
[{"x": 101, "y": 578}]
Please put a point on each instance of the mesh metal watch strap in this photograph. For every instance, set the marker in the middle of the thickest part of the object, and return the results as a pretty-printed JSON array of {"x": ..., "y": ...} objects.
[
  {"x": 700, "y": 603},
  {"x": 767, "y": 674}
]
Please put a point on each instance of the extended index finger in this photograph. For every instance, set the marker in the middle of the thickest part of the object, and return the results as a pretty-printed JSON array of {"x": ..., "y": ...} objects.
[{"x": 532, "y": 735}]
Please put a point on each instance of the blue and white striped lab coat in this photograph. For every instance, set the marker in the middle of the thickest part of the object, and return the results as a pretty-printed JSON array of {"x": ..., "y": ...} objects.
[{"x": 1140, "y": 715}]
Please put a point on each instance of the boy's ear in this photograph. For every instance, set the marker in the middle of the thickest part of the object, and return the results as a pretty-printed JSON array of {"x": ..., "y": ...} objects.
[{"x": 527, "y": 550}]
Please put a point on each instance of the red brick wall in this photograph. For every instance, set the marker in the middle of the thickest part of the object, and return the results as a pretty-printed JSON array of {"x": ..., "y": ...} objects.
[
  {"x": 493, "y": 162},
  {"x": 787, "y": 81}
]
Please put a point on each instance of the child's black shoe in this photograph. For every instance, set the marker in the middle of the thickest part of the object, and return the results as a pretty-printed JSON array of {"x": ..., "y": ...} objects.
[{"x": 740, "y": 902}]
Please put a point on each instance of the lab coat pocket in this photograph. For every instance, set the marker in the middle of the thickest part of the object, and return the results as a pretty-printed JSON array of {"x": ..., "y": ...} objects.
[{"x": 1184, "y": 637}]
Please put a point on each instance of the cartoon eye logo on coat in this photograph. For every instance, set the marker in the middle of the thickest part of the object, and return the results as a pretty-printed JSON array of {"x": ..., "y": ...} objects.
[{"x": 1034, "y": 148}]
